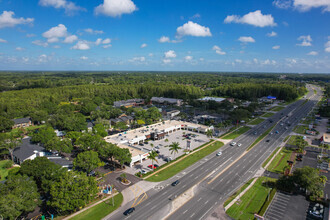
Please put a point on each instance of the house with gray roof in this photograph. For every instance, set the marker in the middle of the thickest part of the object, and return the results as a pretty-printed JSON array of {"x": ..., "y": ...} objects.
[
  {"x": 22, "y": 122},
  {"x": 27, "y": 151}
]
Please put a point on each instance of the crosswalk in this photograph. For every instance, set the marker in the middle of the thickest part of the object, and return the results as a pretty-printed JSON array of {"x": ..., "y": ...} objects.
[{"x": 277, "y": 207}]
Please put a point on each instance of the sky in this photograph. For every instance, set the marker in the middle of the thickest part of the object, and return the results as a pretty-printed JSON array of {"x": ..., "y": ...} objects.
[{"x": 166, "y": 35}]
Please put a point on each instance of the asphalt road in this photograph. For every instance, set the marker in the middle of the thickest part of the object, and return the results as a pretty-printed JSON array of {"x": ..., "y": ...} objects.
[{"x": 209, "y": 195}]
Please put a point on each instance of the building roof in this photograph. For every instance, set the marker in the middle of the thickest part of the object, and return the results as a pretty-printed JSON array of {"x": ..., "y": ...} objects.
[
  {"x": 326, "y": 138},
  {"x": 216, "y": 99},
  {"x": 26, "y": 149},
  {"x": 21, "y": 120},
  {"x": 90, "y": 125},
  {"x": 60, "y": 161},
  {"x": 162, "y": 100}
]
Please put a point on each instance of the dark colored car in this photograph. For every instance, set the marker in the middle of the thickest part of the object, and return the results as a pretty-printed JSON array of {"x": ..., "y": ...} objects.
[
  {"x": 267, "y": 141},
  {"x": 156, "y": 165},
  {"x": 129, "y": 211},
  {"x": 175, "y": 183},
  {"x": 141, "y": 144}
]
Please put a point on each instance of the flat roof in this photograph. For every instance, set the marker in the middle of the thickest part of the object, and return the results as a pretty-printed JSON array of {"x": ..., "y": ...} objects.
[{"x": 212, "y": 99}]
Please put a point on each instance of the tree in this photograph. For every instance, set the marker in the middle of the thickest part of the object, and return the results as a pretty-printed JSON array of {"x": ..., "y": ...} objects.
[
  {"x": 87, "y": 161},
  {"x": 301, "y": 143},
  {"x": 9, "y": 143},
  {"x": 90, "y": 142},
  {"x": 100, "y": 130},
  {"x": 123, "y": 155},
  {"x": 19, "y": 195},
  {"x": 209, "y": 133},
  {"x": 38, "y": 116},
  {"x": 44, "y": 172},
  {"x": 60, "y": 145},
  {"x": 140, "y": 122},
  {"x": 152, "y": 156},
  {"x": 174, "y": 148},
  {"x": 43, "y": 135},
  {"x": 5, "y": 124},
  {"x": 71, "y": 192},
  {"x": 121, "y": 125}
]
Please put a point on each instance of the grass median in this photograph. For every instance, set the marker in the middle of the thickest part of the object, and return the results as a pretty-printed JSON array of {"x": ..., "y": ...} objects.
[
  {"x": 237, "y": 133},
  {"x": 261, "y": 137},
  {"x": 277, "y": 108},
  {"x": 237, "y": 192},
  {"x": 252, "y": 201},
  {"x": 184, "y": 163},
  {"x": 256, "y": 121},
  {"x": 100, "y": 210},
  {"x": 268, "y": 114}
]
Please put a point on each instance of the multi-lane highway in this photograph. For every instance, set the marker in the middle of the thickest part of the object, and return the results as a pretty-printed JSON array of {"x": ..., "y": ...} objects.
[{"x": 225, "y": 173}]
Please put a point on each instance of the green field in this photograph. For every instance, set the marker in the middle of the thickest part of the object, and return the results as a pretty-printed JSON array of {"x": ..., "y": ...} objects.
[
  {"x": 270, "y": 157},
  {"x": 101, "y": 210},
  {"x": 277, "y": 108},
  {"x": 256, "y": 121},
  {"x": 300, "y": 129},
  {"x": 292, "y": 140},
  {"x": 280, "y": 161},
  {"x": 237, "y": 192},
  {"x": 237, "y": 133},
  {"x": 184, "y": 163},
  {"x": 3, "y": 171},
  {"x": 252, "y": 201},
  {"x": 268, "y": 114}
]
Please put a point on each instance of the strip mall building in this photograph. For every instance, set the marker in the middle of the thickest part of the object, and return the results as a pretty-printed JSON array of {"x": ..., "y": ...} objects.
[{"x": 131, "y": 139}]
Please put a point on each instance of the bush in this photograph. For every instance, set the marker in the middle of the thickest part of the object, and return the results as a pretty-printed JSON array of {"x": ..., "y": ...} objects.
[
  {"x": 13, "y": 171},
  {"x": 8, "y": 164}
]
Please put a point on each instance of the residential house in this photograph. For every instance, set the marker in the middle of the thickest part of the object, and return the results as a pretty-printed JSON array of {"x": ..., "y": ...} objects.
[
  {"x": 173, "y": 113},
  {"x": 162, "y": 100},
  {"x": 27, "y": 151},
  {"x": 22, "y": 122},
  {"x": 122, "y": 118}
]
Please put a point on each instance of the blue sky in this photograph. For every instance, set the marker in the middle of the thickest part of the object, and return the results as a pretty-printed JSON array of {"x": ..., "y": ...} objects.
[{"x": 178, "y": 35}]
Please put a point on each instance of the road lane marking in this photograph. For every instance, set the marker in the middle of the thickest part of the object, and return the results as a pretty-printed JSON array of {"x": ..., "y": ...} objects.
[
  {"x": 185, "y": 211},
  {"x": 199, "y": 199}
]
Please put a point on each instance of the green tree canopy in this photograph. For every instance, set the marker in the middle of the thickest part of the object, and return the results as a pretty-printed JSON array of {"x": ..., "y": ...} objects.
[
  {"x": 43, "y": 135},
  {"x": 87, "y": 161}
]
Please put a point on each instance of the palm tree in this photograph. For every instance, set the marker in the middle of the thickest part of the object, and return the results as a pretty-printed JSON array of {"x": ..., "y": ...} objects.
[
  {"x": 152, "y": 156},
  {"x": 174, "y": 148},
  {"x": 152, "y": 146},
  {"x": 209, "y": 133}
]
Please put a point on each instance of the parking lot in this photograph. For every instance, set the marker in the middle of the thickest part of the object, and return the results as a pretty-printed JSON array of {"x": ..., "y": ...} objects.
[
  {"x": 164, "y": 152},
  {"x": 286, "y": 206}
]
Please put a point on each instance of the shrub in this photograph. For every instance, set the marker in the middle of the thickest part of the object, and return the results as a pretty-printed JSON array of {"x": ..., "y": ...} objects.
[{"x": 8, "y": 164}]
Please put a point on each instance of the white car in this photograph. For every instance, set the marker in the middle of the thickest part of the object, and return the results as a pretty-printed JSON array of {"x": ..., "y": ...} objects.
[
  {"x": 233, "y": 143},
  {"x": 219, "y": 153},
  {"x": 143, "y": 171},
  {"x": 239, "y": 144}
]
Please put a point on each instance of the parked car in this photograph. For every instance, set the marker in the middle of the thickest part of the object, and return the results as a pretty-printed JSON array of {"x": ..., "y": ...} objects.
[
  {"x": 152, "y": 166},
  {"x": 141, "y": 144},
  {"x": 129, "y": 211},
  {"x": 175, "y": 183},
  {"x": 157, "y": 147},
  {"x": 156, "y": 165},
  {"x": 167, "y": 159},
  {"x": 219, "y": 153},
  {"x": 143, "y": 171}
]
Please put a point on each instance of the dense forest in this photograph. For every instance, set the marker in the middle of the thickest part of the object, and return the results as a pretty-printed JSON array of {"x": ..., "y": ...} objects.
[{"x": 24, "y": 93}]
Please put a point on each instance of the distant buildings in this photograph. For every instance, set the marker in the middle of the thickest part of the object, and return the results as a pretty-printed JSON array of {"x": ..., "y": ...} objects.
[
  {"x": 162, "y": 100},
  {"x": 123, "y": 118},
  {"x": 173, "y": 113},
  {"x": 22, "y": 122},
  {"x": 128, "y": 103},
  {"x": 216, "y": 99},
  {"x": 325, "y": 139}
]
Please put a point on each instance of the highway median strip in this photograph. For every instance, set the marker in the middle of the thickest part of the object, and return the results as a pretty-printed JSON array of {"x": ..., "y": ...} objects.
[
  {"x": 236, "y": 133},
  {"x": 261, "y": 137}
]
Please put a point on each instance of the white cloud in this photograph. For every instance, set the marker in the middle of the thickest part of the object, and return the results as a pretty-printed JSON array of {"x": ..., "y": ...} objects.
[
  {"x": 255, "y": 18},
  {"x": 107, "y": 46},
  {"x": 306, "y": 5},
  {"x": 54, "y": 33},
  {"x": 313, "y": 53},
  {"x": 56, "y": 46},
  {"x": 3, "y": 41},
  {"x": 166, "y": 61},
  {"x": 164, "y": 39},
  {"x": 276, "y": 47},
  {"x": 305, "y": 41},
  {"x": 201, "y": 59},
  {"x": 197, "y": 15},
  {"x": 193, "y": 29},
  {"x": 91, "y": 31},
  {"x": 30, "y": 35},
  {"x": 170, "y": 54},
  {"x": 84, "y": 58},
  {"x": 283, "y": 4},
  {"x": 238, "y": 61},
  {"x": 40, "y": 43},
  {"x": 272, "y": 34},
  {"x": 106, "y": 41},
  {"x": 68, "y": 6},
  {"x": 327, "y": 46},
  {"x": 150, "y": 54},
  {"x": 115, "y": 8},
  {"x": 70, "y": 39},
  {"x": 19, "y": 49},
  {"x": 81, "y": 45},
  {"x": 188, "y": 58},
  {"x": 144, "y": 45},
  {"x": 218, "y": 50},
  {"x": 98, "y": 41},
  {"x": 42, "y": 58},
  {"x": 7, "y": 20},
  {"x": 138, "y": 59},
  {"x": 246, "y": 39}
]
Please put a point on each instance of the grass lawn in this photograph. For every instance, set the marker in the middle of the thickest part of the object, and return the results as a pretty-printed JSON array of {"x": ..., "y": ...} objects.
[
  {"x": 252, "y": 201},
  {"x": 184, "y": 163},
  {"x": 277, "y": 108},
  {"x": 280, "y": 161},
  {"x": 3, "y": 171},
  {"x": 261, "y": 137},
  {"x": 237, "y": 192},
  {"x": 101, "y": 210},
  {"x": 292, "y": 140},
  {"x": 230, "y": 130},
  {"x": 237, "y": 133},
  {"x": 268, "y": 114},
  {"x": 270, "y": 157},
  {"x": 300, "y": 129},
  {"x": 256, "y": 121}
]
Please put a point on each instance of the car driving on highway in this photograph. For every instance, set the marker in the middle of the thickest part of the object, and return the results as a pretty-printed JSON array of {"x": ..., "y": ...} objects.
[
  {"x": 219, "y": 153},
  {"x": 175, "y": 183},
  {"x": 129, "y": 211},
  {"x": 233, "y": 143},
  {"x": 239, "y": 144}
]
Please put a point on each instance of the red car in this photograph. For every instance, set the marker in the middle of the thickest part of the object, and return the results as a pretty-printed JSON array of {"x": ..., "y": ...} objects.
[{"x": 154, "y": 167}]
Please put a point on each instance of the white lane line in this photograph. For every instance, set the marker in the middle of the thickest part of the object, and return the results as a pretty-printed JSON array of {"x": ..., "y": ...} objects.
[
  {"x": 199, "y": 199},
  {"x": 192, "y": 215},
  {"x": 206, "y": 202},
  {"x": 185, "y": 211},
  {"x": 184, "y": 185},
  {"x": 206, "y": 213}
]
